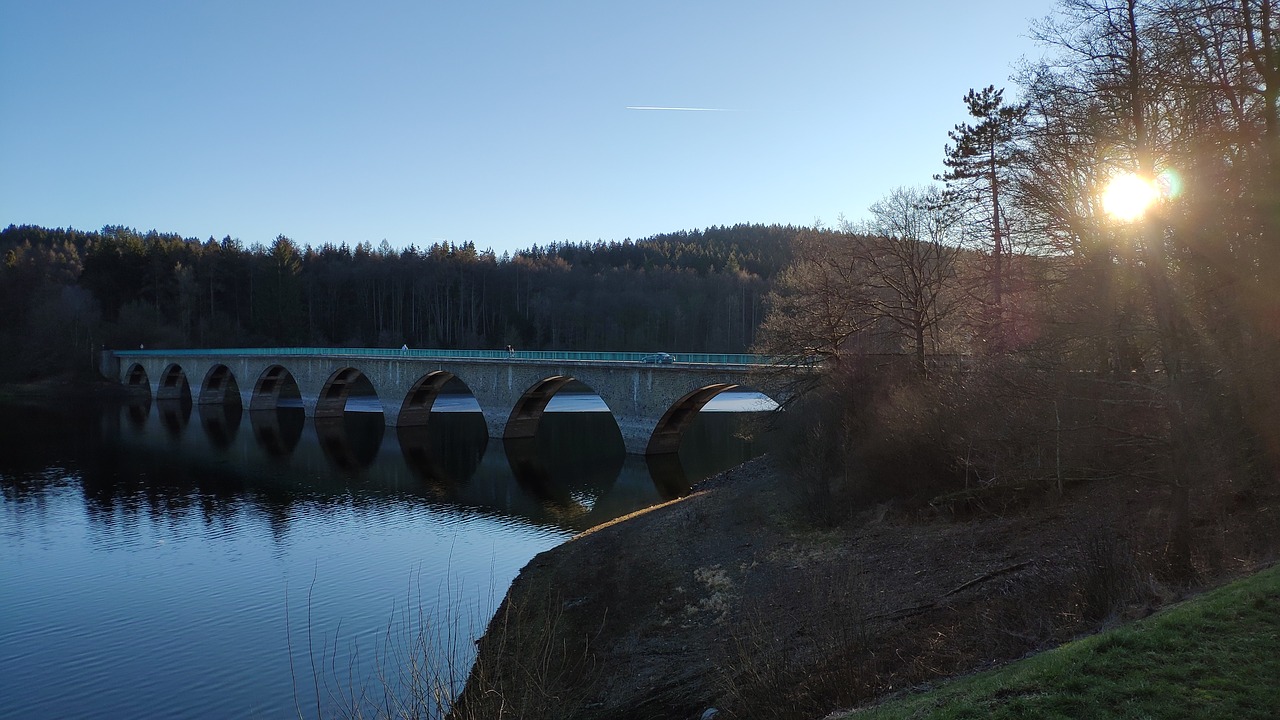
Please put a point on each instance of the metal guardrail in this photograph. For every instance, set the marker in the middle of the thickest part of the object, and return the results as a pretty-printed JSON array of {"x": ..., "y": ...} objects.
[{"x": 546, "y": 355}]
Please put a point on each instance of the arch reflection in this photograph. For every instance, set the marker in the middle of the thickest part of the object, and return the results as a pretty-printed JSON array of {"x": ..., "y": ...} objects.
[
  {"x": 277, "y": 430},
  {"x": 448, "y": 451},
  {"x": 350, "y": 441},
  {"x": 570, "y": 465},
  {"x": 174, "y": 414},
  {"x": 136, "y": 409},
  {"x": 220, "y": 423},
  {"x": 574, "y": 474},
  {"x": 668, "y": 475}
]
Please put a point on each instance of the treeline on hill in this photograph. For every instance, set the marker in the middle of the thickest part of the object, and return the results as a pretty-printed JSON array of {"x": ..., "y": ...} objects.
[{"x": 67, "y": 293}]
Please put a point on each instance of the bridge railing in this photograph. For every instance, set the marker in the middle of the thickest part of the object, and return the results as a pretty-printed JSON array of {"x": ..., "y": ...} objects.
[{"x": 543, "y": 355}]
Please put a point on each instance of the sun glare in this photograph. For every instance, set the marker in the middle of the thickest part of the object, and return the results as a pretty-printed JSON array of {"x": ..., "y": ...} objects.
[{"x": 1128, "y": 196}]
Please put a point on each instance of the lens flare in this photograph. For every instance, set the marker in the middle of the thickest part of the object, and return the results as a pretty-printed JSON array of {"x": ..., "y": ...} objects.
[
  {"x": 1128, "y": 196},
  {"x": 1170, "y": 184}
]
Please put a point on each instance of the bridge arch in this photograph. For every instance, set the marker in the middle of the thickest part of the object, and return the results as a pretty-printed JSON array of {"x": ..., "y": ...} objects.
[
  {"x": 136, "y": 377},
  {"x": 416, "y": 408},
  {"x": 219, "y": 387},
  {"x": 275, "y": 382},
  {"x": 173, "y": 384},
  {"x": 666, "y": 435},
  {"x": 332, "y": 402},
  {"x": 529, "y": 408}
]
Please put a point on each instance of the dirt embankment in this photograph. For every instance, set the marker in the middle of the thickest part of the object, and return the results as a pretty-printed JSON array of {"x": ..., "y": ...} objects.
[{"x": 728, "y": 598}]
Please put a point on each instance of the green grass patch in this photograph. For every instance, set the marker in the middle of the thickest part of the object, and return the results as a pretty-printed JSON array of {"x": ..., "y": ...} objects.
[{"x": 1215, "y": 656}]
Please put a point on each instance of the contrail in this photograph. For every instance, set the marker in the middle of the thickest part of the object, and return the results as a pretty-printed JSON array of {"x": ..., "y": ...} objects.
[{"x": 677, "y": 109}]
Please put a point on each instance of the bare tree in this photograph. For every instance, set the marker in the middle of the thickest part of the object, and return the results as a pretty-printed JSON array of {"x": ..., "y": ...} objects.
[
  {"x": 910, "y": 265},
  {"x": 819, "y": 308},
  {"x": 820, "y": 302}
]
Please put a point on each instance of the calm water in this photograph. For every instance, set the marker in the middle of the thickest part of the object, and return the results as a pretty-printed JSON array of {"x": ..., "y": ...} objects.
[{"x": 159, "y": 560}]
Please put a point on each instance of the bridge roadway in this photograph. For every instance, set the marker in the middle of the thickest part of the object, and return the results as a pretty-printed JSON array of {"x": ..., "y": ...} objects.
[{"x": 652, "y": 403}]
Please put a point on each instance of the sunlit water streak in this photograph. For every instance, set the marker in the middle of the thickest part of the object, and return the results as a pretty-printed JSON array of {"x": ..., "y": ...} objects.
[{"x": 162, "y": 561}]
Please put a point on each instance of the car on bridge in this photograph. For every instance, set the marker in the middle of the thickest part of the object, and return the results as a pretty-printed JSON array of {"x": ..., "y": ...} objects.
[{"x": 659, "y": 358}]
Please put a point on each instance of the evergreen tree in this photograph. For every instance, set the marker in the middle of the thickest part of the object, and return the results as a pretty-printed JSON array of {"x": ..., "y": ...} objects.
[{"x": 979, "y": 166}]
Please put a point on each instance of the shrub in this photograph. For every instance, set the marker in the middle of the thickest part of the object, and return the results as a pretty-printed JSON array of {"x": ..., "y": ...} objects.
[{"x": 869, "y": 433}]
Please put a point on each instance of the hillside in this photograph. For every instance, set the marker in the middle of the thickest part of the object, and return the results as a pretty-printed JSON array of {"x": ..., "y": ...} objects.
[{"x": 727, "y": 599}]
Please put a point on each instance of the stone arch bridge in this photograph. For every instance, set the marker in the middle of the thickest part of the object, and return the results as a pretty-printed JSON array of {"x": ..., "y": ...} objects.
[{"x": 652, "y": 402}]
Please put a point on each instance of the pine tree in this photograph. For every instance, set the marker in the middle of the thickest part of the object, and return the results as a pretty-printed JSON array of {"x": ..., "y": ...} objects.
[{"x": 978, "y": 168}]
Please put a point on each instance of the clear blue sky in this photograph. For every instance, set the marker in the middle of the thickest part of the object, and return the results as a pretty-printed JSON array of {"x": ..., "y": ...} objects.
[{"x": 501, "y": 123}]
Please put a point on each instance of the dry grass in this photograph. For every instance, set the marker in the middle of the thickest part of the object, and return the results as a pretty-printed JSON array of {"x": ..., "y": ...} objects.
[
  {"x": 424, "y": 659},
  {"x": 532, "y": 668}
]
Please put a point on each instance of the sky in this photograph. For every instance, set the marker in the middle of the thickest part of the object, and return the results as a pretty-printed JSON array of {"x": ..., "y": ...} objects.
[{"x": 504, "y": 124}]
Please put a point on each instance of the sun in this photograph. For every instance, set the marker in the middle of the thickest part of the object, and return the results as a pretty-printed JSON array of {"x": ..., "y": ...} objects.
[{"x": 1128, "y": 196}]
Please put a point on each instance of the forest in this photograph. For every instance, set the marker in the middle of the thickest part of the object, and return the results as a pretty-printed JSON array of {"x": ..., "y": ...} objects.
[{"x": 68, "y": 293}]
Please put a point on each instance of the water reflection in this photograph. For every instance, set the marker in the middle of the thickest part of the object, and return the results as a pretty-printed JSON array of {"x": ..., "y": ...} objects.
[
  {"x": 277, "y": 431},
  {"x": 573, "y": 475},
  {"x": 350, "y": 442},
  {"x": 668, "y": 475},
  {"x": 448, "y": 453},
  {"x": 220, "y": 423},
  {"x": 157, "y": 555},
  {"x": 174, "y": 414},
  {"x": 137, "y": 408}
]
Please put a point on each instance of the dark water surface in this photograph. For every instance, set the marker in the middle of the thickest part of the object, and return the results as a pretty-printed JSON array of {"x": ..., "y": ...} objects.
[{"x": 160, "y": 560}]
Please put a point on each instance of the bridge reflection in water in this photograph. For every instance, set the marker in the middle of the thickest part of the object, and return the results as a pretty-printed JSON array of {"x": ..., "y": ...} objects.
[{"x": 575, "y": 473}]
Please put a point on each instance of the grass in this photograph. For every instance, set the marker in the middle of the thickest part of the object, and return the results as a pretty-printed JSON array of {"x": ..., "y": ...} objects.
[{"x": 1215, "y": 656}]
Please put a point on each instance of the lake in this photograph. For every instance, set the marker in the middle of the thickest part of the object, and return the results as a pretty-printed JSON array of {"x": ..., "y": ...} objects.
[{"x": 164, "y": 560}]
